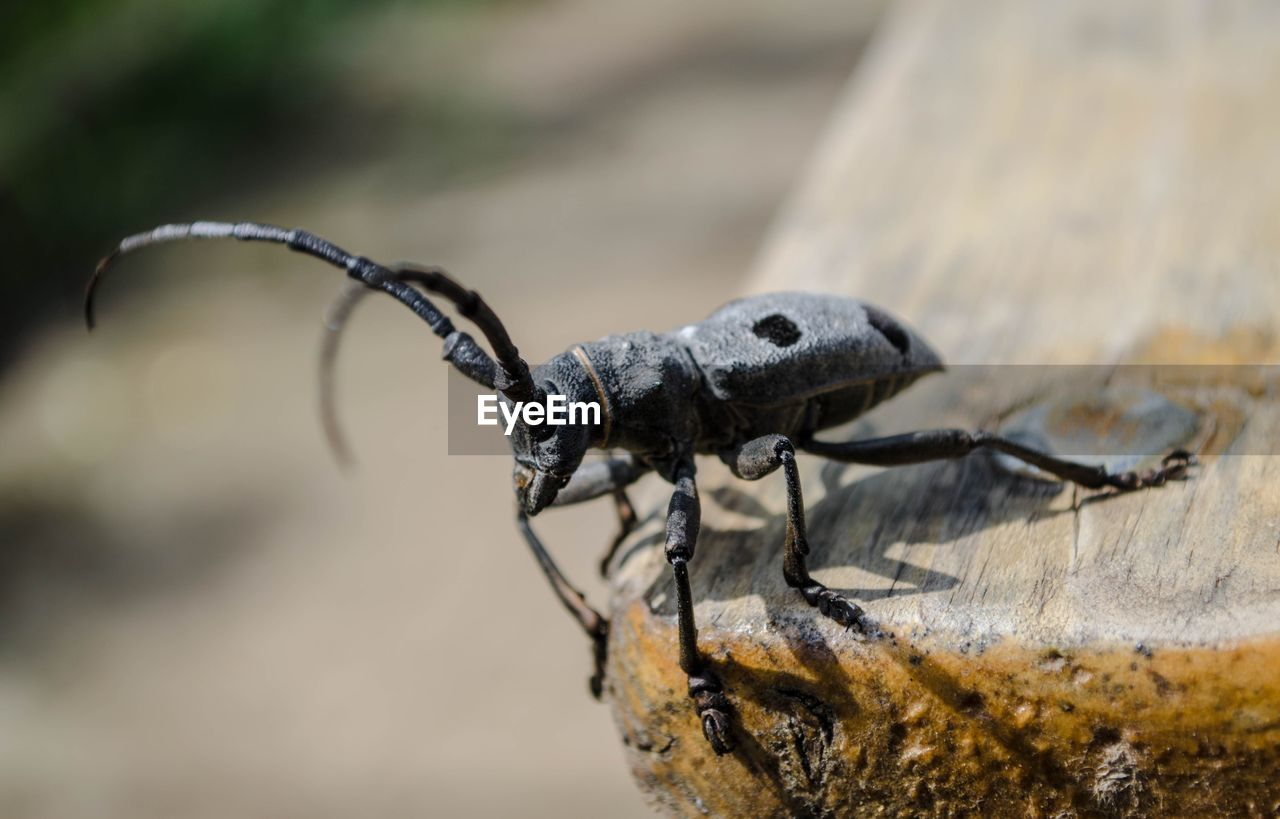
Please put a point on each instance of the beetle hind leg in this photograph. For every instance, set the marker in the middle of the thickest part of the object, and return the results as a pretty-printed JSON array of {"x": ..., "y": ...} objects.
[
  {"x": 942, "y": 444},
  {"x": 760, "y": 457}
]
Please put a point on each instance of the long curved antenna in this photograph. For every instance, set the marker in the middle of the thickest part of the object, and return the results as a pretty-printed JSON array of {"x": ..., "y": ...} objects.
[
  {"x": 469, "y": 303},
  {"x": 334, "y": 322},
  {"x": 432, "y": 279},
  {"x": 515, "y": 380}
]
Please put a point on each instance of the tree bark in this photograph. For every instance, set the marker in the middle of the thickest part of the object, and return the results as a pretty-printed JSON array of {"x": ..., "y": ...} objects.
[{"x": 1024, "y": 183}]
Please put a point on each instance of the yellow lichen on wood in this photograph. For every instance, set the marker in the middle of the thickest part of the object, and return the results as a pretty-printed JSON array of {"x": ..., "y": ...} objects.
[{"x": 835, "y": 725}]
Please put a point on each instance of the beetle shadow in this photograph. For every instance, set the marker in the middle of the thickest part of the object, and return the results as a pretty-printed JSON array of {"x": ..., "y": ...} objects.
[
  {"x": 810, "y": 710},
  {"x": 854, "y": 524}
]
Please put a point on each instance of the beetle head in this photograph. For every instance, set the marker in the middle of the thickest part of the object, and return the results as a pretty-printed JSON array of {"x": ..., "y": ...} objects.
[{"x": 547, "y": 455}]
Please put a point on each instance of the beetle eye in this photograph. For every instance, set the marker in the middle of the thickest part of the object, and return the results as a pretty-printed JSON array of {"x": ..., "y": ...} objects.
[{"x": 541, "y": 432}]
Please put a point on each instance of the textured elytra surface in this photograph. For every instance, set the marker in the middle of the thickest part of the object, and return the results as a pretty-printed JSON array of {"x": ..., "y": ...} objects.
[
  {"x": 1027, "y": 184},
  {"x": 779, "y": 347}
]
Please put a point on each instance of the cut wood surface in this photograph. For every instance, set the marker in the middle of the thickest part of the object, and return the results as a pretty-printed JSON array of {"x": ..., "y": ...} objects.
[{"x": 1023, "y": 183}]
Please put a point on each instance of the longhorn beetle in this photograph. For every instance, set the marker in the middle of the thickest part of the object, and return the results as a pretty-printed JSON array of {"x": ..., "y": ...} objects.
[{"x": 751, "y": 384}]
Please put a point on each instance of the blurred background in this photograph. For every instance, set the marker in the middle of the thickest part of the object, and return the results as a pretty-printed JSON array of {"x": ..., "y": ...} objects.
[{"x": 199, "y": 614}]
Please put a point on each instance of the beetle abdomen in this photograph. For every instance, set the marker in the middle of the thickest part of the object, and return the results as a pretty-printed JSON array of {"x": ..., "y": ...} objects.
[{"x": 782, "y": 348}]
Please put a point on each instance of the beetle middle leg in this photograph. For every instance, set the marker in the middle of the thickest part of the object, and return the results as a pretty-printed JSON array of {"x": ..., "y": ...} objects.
[{"x": 760, "y": 457}]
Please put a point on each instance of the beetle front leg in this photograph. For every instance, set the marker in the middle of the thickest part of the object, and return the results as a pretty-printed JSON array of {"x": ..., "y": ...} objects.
[
  {"x": 752, "y": 461},
  {"x": 595, "y": 624},
  {"x": 683, "y": 519},
  {"x": 591, "y": 481}
]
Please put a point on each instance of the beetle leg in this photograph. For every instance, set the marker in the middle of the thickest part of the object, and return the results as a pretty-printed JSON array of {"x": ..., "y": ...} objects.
[
  {"x": 752, "y": 461},
  {"x": 626, "y": 524},
  {"x": 683, "y": 519},
  {"x": 939, "y": 444},
  {"x": 592, "y": 480},
  {"x": 598, "y": 478},
  {"x": 593, "y": 622}
]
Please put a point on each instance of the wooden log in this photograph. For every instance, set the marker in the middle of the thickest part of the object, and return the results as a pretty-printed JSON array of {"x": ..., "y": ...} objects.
[{"x": 1024, "y": 183}]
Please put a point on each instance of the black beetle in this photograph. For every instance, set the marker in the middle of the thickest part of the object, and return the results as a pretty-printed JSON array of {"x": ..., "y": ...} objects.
[{"x": 751, "y": 383}]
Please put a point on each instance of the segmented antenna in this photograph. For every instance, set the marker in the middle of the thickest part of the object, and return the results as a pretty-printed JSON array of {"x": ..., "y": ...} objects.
[
  {"x": 517, "y": 383},
  {"x": 334, "y": 322}
]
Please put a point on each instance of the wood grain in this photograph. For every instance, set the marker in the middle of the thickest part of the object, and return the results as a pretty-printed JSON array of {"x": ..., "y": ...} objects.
[{"x": 1025, "y": 183}]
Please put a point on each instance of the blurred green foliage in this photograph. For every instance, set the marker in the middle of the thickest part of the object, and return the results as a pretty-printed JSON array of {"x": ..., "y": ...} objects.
[{"x": 115, "y": 114}]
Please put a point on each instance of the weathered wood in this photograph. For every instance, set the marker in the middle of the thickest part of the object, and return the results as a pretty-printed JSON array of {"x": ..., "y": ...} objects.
[{"x": 1092, "y": 183}]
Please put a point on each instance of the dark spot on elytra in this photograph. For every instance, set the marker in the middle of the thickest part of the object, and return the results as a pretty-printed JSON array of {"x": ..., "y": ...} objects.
[
  {"x": 890, "y": 329},
  {"x": 777, "y": 329}
]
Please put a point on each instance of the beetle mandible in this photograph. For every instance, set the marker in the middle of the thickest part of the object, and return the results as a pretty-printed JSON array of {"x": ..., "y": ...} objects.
[{"x": 751, "y": 384}]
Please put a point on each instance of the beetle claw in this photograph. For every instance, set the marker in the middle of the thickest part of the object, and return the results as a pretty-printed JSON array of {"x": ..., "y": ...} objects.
[
  {"x": 1173, "y": 466},
  {"x": 837, "y": 607},
  {"x": 715, "y": 727},
  {"x": 713, "y": 710},
  {"x": 1176, "y": 463}
]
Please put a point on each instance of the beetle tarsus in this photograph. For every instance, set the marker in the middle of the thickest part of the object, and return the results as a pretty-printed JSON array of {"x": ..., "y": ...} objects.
[
  {"x": 599, "y": 655},
  {"x": 836, "y": 606},
  {"x": 713, "y": 710},
  {"x": 1173, "y": 467}
]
